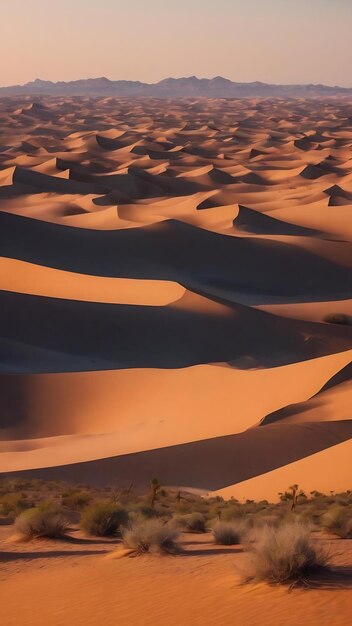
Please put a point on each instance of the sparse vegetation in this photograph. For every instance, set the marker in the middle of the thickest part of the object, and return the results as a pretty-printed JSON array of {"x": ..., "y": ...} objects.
[
  {"x": 151, "y": 536},
  {"x": 102, "y": 511},
  {"x": 103, "y": 518},
  {"x": 284, "y": 555},
  {"x": 45, "y": 520}
]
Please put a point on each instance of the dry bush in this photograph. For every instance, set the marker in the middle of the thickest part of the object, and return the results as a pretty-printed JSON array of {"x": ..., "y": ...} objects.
[
  {"x": 45, "y": 520},
  {"x": 193, "y": 522},
  {"x": 338, "y": 520},
  {"x": 283, "y": 555},
  {"x": 76, "y": 500},
  {"x": 151, "y": 536},
  {"x": 140, "y": 509},
  {"x": 13, "y": 504},
  {"x": 103, "y": 518},
  {"x": 232, "y": 513},
  {"x": 228, "y": 533}
]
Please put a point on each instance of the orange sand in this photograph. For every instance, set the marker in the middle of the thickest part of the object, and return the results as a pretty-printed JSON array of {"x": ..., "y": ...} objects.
[{"x": 82, "y": 584}]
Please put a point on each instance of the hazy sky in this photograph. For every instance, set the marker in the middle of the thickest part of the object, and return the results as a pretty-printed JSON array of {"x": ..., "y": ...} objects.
[{"x": 280, "y": 41}]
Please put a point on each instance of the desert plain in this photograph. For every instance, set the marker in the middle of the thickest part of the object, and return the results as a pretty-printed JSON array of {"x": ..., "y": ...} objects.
[{"x": 176, "y": 281}]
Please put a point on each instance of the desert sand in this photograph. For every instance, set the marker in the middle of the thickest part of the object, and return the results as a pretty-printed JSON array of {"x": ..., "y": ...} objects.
[
  {"x": 167, "y": 273},
  {"x": 84, "y": 583}
]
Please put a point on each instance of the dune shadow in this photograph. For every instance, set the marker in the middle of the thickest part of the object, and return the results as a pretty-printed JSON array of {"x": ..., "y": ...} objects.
[
  {"x": 212, "y": 551},
  {"x": 333, "y": 579},
  {"x": 85, "y": 541},
  {"x": 7, "y": 557},
  {"x": 191, "y": 542}
]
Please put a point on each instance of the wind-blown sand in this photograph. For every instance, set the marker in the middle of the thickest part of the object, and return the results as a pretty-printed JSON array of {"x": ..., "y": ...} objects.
[{"x": 166, "y": 267}]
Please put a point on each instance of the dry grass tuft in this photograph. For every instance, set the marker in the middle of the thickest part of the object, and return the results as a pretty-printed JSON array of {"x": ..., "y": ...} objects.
[
  {"x": 285, "y": 555},
  {"x": 228, "y": 533},
  {"x": 338, "y": 520},
  {"x": 151, "y": 536},
  {"x": 103, "y": 518}
]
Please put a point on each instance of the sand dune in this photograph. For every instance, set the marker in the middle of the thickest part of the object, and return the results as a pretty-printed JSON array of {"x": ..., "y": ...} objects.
[
  {"x": 310, "y": 472},
  {"x": 252, "y": 265},
  {"x": 166, "y": 269},
  {"x": 149, "y": 402},
  {"x": 191, "y": 331},
  {"x": 207, "y": 464},
  {"x": 22, "y": 277}
]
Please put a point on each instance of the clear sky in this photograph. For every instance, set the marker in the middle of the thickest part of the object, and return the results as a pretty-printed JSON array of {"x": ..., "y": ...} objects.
[{"x": 279, "y": 41}]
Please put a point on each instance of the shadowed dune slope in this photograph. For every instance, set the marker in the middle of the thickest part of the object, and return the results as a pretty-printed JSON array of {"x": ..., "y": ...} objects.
[
  {"x": 209, "y": 261},
  {"x": 207, "y": 464},
  {"x": 108, "y": 336}
]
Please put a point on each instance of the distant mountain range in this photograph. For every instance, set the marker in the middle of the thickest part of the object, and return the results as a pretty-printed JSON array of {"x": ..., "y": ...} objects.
[{"x": 192, "y": 86}]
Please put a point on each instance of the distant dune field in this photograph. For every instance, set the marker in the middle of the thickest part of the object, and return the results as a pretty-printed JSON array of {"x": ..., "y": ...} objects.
[{"x": 176, "y": 291}]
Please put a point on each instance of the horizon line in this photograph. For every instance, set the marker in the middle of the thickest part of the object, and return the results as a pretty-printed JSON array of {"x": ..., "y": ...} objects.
[{"x": 114, "y": 80}]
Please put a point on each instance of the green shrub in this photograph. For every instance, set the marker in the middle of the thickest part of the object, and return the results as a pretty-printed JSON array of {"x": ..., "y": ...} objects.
[
  {"x": 283, "y": 555},
  {"x": 151, "y": 536},
  {"x": 103, "y": 518},
  {"x": 45, "y": 520}
]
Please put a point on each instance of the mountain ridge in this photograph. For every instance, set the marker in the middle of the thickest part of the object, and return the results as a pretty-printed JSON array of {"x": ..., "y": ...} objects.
[{"x": 189, "y": 86}]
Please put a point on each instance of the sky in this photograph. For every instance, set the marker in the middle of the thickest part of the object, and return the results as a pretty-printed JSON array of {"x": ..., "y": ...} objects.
[{"x": 275, "y": 41}]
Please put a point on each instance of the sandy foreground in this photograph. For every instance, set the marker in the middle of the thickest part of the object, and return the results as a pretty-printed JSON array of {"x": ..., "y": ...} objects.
[{"x": 60, "y": 583}]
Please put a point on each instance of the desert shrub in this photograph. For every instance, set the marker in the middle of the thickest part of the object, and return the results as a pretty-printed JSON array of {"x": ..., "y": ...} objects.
[
  {"x": 14, "y": 503},
  {"x": 232, "y": 513},
  {"x": 227, "y": 533},
  {"x": 143, "y": 510},
  {"x": 259, "y": 520},
  {"x": 283, "y": 555},
  {"x": 338, "y": 318},
  {"x": 309, "y": 515},
  {"x": 103, "y": 518},
  {"x": 338, "y": 520},
  {"x": 192, "y": 522},
  {"x": 76, "y": 500},
  {"x": 45, "y": 520},
  {"x": 151, "y": 536}
]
